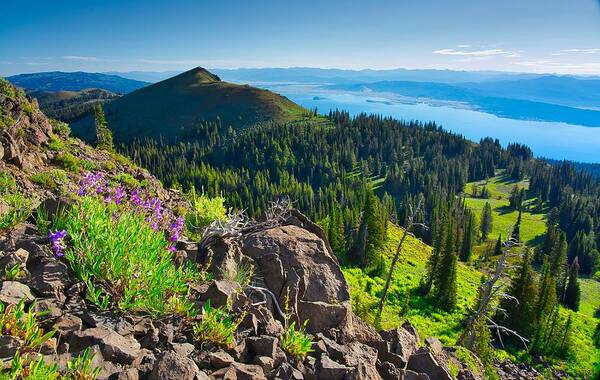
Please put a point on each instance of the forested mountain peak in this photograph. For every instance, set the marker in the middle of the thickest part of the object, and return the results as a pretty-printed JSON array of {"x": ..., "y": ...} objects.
[{"x": 173, "y": 108}]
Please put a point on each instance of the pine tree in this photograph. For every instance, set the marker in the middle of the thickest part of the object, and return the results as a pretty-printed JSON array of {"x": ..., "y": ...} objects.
[
  {"x": 481, "y": 345},
  {"x": 335, "y": 231},
  {"x": 516, "y": 232},
  {"x": 487, "y": 221},
  {"x": 498, "y": 246},
  {"x": 104, "y": 139},
  {"x": 520, "y": 312},
  {"x": 434, "y": 259},
  {"x": 572, "y": 292},
  {"x": 445, "y": 283},
  {"x": 467, "y": 241}
]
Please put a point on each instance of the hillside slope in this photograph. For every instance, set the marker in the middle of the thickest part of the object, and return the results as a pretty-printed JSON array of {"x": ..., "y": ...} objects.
[
  {"x": 172, "y": 108},
  {"x": 69, "y": 106},
  {"x": 74, "y": 81}
]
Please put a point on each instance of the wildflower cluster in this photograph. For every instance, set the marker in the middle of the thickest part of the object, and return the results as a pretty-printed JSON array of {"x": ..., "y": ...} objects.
[
  {"x": 57, "y": 241},
  {"x": 95, "y": 183}
]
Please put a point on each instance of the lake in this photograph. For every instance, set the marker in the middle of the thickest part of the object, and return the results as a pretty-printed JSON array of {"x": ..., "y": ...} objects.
[{"x": 547, "y": 139}]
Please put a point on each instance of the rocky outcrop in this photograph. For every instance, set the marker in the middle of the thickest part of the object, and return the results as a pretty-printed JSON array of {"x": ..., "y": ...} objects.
[{"x": 296, "y": 264}]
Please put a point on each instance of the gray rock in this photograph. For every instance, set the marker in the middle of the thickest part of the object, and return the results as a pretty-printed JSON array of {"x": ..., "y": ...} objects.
[
  {"x": 263, "y": 345},
  {"x": 265, "y": 362},
  {"x": 423, "y": 361},
  {"x": 12, "y": 292},
  {"x": 290, "y": 257},
  {"x": 171, "y": 366},
  {"x": 9, "y": 345},
  {"x": 114, "y": 347},
  {"x": 68, "y": 323},
  {"x": 286, "y": 372},
  {"x": 183, "y": 349},
  {"x": 219, "y": 359},
  {"x": 327, "y": 369},
  {"x": 241, "y": 371},
  {"x": 219, "y": 292}
]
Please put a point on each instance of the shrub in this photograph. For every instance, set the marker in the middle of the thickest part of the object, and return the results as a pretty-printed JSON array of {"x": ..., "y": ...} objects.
[
  {"x": 13, "y": 273},
  {"x": 112, "y": 244},
  {"x": 240, "y": 273},
  {"x": 81, "y": 368},
  {"x": 204, "y": 210},
  {"x": 60, "y": 128},
  {"x": 70, "y": 162},
  {"x": 216, "y": 326},
  {"x": 15, "y": 321},
  {"x": 7, "y": 183},
  {"x": 23, "y": 367},
  {"x": 19, "y": 210},
  {"x": 50, "y": 179},
  {"x": 295, "y": 341}
]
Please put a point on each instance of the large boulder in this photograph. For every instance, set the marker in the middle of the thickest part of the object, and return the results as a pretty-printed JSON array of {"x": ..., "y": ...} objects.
[
  {"x": 171, "y": 366},
  {"x": 423, "y": 361},
  {"x": 297, "y": 262}
]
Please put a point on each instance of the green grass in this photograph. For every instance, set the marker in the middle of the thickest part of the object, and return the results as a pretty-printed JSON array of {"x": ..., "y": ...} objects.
[
  {"x": 429, "y": 320},
  {"x": 447, "y": 326},
  {"x": 123, "y": 261},
  {"x": 51, "y": 179},
  {"x": 533, "y": 225}
]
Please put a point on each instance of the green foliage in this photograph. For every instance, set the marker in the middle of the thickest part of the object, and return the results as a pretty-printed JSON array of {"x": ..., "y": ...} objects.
[
  {"x": 70, "y": 162},
  {"x": 127, "y": 180},
  {"x": 7, "y": 183},
  {"x": 13, "y": 273},
  {"x": 59, "y": 128},
  {"x": 481, "y": 344},
  {"x": 296, "y": 342},
  {"x": 23, "y": 324},
  {"x": 51, "y": 179},
  {"x": 123, "y": 261},
  {"x": 204, "y": 210},
  {"x": 19, "y": 210},
  {"x": 216, "y": 326},
  {"x": 24, "y": 368},
  {"x": 81, "y": 368}
]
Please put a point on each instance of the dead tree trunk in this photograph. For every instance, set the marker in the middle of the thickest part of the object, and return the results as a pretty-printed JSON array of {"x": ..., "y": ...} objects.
[{"x": 386, "y": 288}]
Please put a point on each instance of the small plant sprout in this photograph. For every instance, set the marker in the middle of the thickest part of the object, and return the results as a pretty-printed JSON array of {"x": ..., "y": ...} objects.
[
  {"x": 81, "y": 368},
  {"x": 217, "y": 326},
  {"x": 295, "y": 341},
  {"x": 15, "y": 321},
  {"x": 13, "y": 273}
]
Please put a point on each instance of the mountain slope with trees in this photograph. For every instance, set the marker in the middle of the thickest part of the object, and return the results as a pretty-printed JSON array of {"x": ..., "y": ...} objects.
[{"x": 174, "y": 108}]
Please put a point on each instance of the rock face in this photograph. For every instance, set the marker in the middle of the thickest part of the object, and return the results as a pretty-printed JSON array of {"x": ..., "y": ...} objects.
[{"x": 296, "y": 262}]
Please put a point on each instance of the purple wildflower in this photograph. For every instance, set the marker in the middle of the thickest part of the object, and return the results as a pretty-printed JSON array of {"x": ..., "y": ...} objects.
[{"x": 56, "y": 239}]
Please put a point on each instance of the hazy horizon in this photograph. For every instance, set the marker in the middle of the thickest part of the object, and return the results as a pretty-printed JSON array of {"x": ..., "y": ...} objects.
[{"x": 513, "y": 36}]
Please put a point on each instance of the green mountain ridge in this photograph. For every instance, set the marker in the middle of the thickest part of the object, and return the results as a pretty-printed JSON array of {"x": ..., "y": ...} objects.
[{"x": 170, "y": 109}]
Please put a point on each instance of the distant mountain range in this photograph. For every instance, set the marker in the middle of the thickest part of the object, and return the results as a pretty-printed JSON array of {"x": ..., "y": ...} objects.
[
  {"x": 70, "y": 106},
  {"x": 75, "y": 81},
  {"x": 172, "y": 108}
]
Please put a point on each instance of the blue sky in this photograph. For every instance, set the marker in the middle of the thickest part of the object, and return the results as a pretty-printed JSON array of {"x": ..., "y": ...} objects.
[{"x": 561, "y": 36}]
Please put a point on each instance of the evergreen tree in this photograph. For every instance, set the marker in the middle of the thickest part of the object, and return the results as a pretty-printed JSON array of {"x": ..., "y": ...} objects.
[
  {"x": 434, "y": 259},
  {"x": 467, "y": 241},
  {"x": 104, "y": 139},
  {"x": 516, "y": 232},
  {"x": 335, "y": 231},
  {"x": 445, "y": 282},
  {"x": 481, "y": 345},
  {"x": 520, "y": 312},
  {"x": 487, "y": 221},
  {"x": 572, "y": 292},
  {"x": 498, "y": 246}
]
